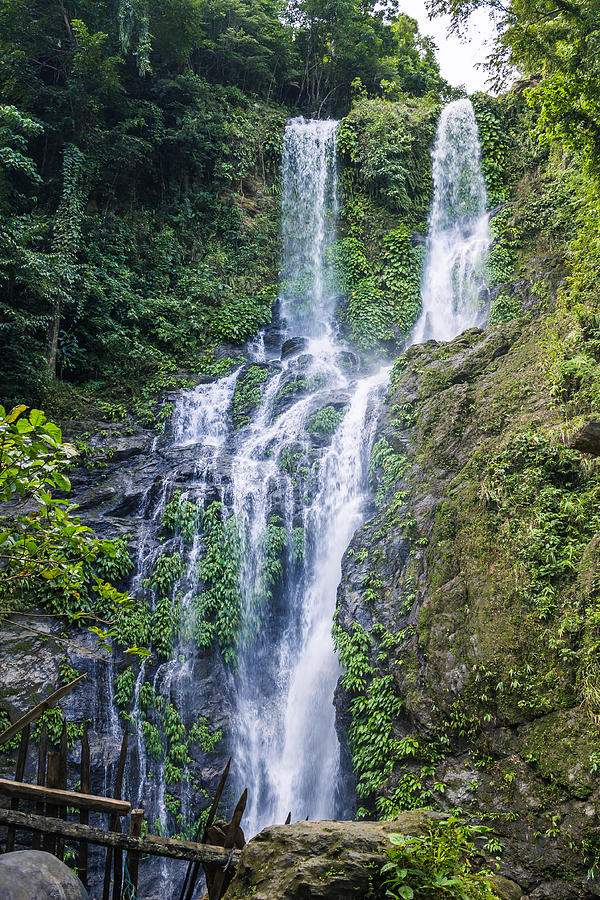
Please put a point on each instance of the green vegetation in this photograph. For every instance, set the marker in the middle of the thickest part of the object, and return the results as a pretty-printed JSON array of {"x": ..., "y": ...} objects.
[
  {"x": 53, "y": 719},
  {"x": 247, "y": 394},
  {"x": 385, "y": 146},
  {"x": 139, "y": 180},
  {"x": 180, "y": 518},
  {"x": 326, "y": 420},
  {"x": 167, "y": 739},
  {"x": 216, "y": 613},
  {"x": 439, "y": 863},
  {"x": 386, "y": 176},
  {"x": 48, "y": 557}
]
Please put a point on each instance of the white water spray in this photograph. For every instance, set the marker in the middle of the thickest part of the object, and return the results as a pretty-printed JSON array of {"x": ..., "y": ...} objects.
[
  {"x": 309, "y": 209},
  {"x": 454, "y": 290}
]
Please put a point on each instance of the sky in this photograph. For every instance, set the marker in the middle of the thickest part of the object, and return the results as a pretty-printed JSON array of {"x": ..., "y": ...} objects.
[{"x": 457, "y": 58}]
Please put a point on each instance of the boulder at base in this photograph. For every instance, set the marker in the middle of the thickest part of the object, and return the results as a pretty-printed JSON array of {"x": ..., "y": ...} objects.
[
  {"x": 321, "y": 860},
  {"x": 35, "y": 875}
]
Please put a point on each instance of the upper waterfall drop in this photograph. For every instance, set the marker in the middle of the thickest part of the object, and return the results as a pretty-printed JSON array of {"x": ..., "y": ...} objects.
[
  {"x": 454, "y": 290},
  {"x": 309, "y": 207}
]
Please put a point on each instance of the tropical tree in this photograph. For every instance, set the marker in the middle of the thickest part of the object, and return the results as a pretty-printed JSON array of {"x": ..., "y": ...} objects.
[{"x": 48, "y": 558}]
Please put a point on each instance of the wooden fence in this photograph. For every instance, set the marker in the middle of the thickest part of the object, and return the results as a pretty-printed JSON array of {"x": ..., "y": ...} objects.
[{"x": 216, "y": 847}]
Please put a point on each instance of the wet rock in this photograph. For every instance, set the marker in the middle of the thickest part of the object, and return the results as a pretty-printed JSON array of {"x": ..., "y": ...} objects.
[
  {"x": 28, "y": 667},
  {"x": 35, "y": 875},
  {"x": 505, "y": 889},
  {"x": 318, "y": 860},
  {"x": 346, "y": 359},
  {"x": 128, "y": 447},
  {"x": 552, "y": 890},
  {"x": 587, "y": 439},
  {"x": 293, "y": 346}
]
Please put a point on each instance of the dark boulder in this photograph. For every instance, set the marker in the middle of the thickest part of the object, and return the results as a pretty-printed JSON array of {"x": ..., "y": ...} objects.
[
  {"x": 35, "y": 875},
  {"x": 587, "y": 439},
  {"x": 292, "y": 346}
]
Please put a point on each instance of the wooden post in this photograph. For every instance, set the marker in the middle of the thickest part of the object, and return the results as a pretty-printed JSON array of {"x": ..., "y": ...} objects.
[
  {"x": 41, "y": 781},
  {"x": 193, "y": 869},
  {"x": 84, "y": 816},
  {"x": 51, "y": 808},
  {"x": 132, "y": 860},
  {"x": 19, "y": 772},
  {"x": 115, "y": 825},
  {"x": 62, "y": 783},
  {"x": 216, "y": 889},
  {"x": 289, "y": 818},
  {"x": 63, "y": 798}
]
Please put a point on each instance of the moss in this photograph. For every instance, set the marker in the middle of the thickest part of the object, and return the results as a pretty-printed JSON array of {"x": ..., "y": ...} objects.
[
  {"x": 247, "y": 395},
  {"x": 562, "y": 744}
]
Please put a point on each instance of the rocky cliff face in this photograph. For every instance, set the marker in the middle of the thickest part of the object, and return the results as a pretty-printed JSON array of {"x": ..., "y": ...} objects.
[{"x": 463, "y": 627}]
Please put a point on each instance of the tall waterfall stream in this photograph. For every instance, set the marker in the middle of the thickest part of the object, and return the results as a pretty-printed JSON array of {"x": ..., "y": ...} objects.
[
  {"x": 454, "y": 291},
  {"x": 277, "y": 477}
]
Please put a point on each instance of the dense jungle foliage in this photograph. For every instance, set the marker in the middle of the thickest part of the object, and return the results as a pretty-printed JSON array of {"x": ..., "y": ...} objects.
[{"x": 139, "y": 155}]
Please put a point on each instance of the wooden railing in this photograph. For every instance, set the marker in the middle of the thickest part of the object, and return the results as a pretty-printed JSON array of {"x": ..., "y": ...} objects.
[{"x": 52, "y": 800}]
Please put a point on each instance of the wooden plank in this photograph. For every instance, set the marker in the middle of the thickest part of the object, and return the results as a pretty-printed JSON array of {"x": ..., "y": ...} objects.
[
  {"x": 66, "y": 798},
  {"x": 152, "y": 845},
  {"x": 216, "y": 889},
  {"x": 84, "y": 815},
  {"x": 19, "y": 772},
  {"x": 37, "y": 711},
  {"x": 41, "y": 780},
  {"x": 193, "y": 870},
  {"x": 132, "y": 861},
  {"x": 115, "y": 825}
]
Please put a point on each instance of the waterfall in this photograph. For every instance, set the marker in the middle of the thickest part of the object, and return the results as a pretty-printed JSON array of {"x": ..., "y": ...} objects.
[
  {"x": 286, "y": 743},
  {"x": 454, "y": 290},
  {"x": 309, "y": 208},
  {"x": 287, "y": 485}
]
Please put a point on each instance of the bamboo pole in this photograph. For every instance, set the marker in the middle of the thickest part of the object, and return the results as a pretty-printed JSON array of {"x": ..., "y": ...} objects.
[
  {"x": 41, "y": 780},
  {"x": 115, "y": 825},
  {"x": 193, "y": 870},
  {"x": 52, "y": 806},
  {"x": 217, "y": 886},
  {"x": 62, "y": 798},
  {"x": 132, "y": 861}
]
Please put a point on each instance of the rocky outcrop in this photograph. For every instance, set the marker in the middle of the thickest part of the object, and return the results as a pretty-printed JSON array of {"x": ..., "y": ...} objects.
[
  {"x": 491, "y": 712},
  {"x": 327, "y": 860},
  {"x": 35, "y": 875},
  {"x": 587, "y": 439}
]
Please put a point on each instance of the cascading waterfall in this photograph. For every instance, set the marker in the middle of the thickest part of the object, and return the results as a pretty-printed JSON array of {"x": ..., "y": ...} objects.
[
  {"x": 454, "y": 291},
  {"x": 289, "y": 496},
  {"x": 286, "y": 741},
  {"x": 309, "y": 209},
  {"x": 288, "y": 485}
]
